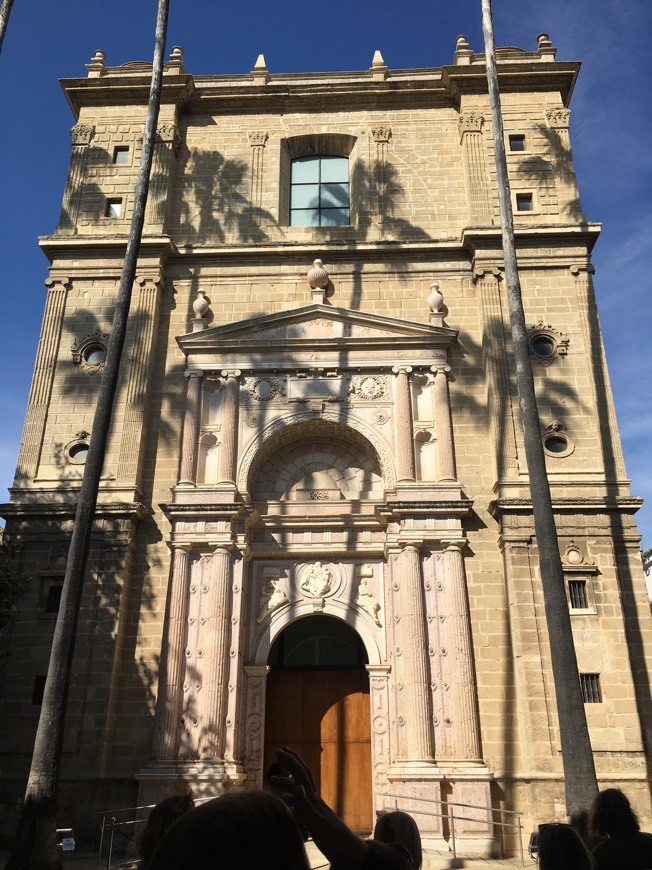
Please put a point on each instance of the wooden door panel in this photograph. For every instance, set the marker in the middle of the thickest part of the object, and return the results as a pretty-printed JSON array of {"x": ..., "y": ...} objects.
[{"x": 324, "y": 715}]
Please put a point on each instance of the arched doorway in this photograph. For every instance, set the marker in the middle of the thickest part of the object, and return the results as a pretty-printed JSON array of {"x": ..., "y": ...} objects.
[{"x": 317, "y": 702}]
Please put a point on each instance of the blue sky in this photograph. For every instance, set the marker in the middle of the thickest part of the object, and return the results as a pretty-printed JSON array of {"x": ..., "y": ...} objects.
[{"x": 611, "y": 135}]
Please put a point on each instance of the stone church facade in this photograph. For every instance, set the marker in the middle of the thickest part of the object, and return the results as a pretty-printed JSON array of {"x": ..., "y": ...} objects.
[{"x": 314, "y": 523}]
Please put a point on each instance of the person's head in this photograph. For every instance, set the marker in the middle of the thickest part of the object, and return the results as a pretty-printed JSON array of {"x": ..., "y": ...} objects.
[
  {"x": 162, "y": 817},
  {"x": 237, "y": 831},
  {"x": 612, "y": 814},
  {"x": 562, "y": 848},
  {"x": 398, "y": 827}
]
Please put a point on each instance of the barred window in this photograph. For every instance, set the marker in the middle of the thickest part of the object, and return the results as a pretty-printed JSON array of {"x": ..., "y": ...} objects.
[
  {"x": 590, "y": 684},
  {"x": 578, "y": 596}
]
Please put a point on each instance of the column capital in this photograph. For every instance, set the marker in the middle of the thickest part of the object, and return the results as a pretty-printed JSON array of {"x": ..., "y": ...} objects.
[
  {"x": 577, "y": 268},
  {"x": 231, "y": 373},
  {"x": 81, "y": 134},
  {"x": 179, "y": 547},
  {"x": 63, "y": 280},
  {"x": 558, "y": 117},
  {"x": 405, "y": 546},
  {"x": 169, "y": 134},
  {"x": 440, "y": 368},
  {"x": 256, "y": 670},
  {"x": 258, "y": 138},
  {"x": 470, "y": 122},
  {"x": 402, "y": 369},
  {"x": 453, "y": 545},
  {"x": 193, "y": 373},
  {"x": 481, "y": 272}
]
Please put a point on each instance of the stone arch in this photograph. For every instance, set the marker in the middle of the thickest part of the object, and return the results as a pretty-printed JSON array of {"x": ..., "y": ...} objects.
[
  {"x": 264, "y": 638},
  {"x": 283, "y": 436}
]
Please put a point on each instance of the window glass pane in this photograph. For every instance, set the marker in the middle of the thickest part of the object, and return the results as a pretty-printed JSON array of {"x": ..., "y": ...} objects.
[
  {"x": 334, "y": 195},
  {"x": 517, "y": 142},
  {"x": 305, "y": 196},
  {"x": 524, "y": 202},
  {"x": 304, "y": 217},
  {"x": 305, "y": 170},
  {"x": 334, "y": 169},
  {"x": 334, "y": 217}
]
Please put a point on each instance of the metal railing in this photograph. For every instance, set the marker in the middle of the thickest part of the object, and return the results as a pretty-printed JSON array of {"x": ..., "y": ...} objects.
[
  {"x": 111, "y": 821},
  {"x": 450, "y": 815}
]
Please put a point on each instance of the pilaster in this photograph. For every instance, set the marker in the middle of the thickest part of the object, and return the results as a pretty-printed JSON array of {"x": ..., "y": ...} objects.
[
  {"x": 558, "y": 119},
  {"x": 143, "y": 329},
  {"x": 470, "y": 128},
  {"x": 257, "y": 140},
  {"x": 162, "y": 177},
  {"x": 81, "y": 135},
  {"x": 44, "y": 371}
]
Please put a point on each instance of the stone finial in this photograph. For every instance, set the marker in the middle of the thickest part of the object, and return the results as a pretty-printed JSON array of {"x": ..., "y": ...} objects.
[
  {"x": 175, "y": 63},
  {"x": 378, "y": 67},
  {"x": 260, "y": 73},
  {"x": 436, "y": 304},
  {"x": 200, "y": 307},
  {"x": 545, "y": 48},
  {"x": 463, "y": 53},
  {"x": 319, "y": 281},
  {"x": 96, "y": 66}
]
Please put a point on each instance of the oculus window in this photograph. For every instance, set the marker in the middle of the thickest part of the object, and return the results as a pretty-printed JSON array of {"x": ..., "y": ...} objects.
[{"x": 319, "y": 192}]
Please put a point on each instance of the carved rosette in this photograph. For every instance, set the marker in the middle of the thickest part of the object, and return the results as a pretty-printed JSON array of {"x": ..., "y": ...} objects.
[
  {"x": 558, "y": 117},
  {"x": 368, "y": 387},
  {"x": 264, "y": 389}
]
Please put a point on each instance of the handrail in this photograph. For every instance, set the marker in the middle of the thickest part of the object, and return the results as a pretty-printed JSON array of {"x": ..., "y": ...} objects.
[{"x": 451, "y": 816}]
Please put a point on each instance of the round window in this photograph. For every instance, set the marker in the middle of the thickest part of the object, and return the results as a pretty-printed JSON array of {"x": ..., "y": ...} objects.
[
  {"x": 95, "y": 354},
  {"x": 78, "y": 452},
  {"x": 543, "y": 345},
  {"x": 555, "y": 444}
]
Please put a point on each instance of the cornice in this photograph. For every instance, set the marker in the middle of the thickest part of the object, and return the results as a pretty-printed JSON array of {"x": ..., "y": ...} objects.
[
  {"x": 121, "y": 90},
  {"x": 58, "y": 510},
  {"x": 623, "y": 504},
  {"x": 59, "y": 246}
]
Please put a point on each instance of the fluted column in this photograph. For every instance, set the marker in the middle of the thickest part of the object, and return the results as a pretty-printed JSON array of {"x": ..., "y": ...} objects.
[
  {"x": 190, "y": 440},
  {"x": 229, "y": 431},
  {"x": 414, "y": 654},
  {"x": 81, "y": 138},
  {"x": 44, "y": 371},
  {"x": 143, "y": 328},
  {"x": 173, "y": 659},
  {"x": 162, "y": 176},
  {"x": 466, "y": 726},
  {"x": 381, "y": 136},
  {"x": 494, "y": 352},
  {"x": 403, "y": 424},
  {"x": 470, "y": 127},
  {"x": 216, "y": 640},
  {"x": 443, "y": 425}
]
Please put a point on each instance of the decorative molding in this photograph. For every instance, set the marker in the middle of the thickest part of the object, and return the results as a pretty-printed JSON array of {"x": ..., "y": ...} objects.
[
  {"x": 558, "y": 117},
  {"x": 81, "y": 134},
  {"x": 382, "y": 133},
  {"x": 258, "y": 138},
  {"x": 264, "y": 389},
  {"x": 368, "y": 387},
  {"x": 470, "y": 122},
  {"x": 168, "y": 133}
]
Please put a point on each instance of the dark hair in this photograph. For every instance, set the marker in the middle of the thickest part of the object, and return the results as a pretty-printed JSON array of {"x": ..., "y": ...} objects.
[
  {"x": 238, "y": 831},
  {"x": 161, "y": 818},
  {"x": 400, "y": 828},
  {"x": 562, "y": 848},
  {"x": 611, "y": 813},
  {"x": 275, "y": 769}
]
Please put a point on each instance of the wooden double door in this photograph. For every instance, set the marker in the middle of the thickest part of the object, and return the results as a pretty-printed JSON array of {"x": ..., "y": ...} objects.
[{"x": 324, "y": 715}]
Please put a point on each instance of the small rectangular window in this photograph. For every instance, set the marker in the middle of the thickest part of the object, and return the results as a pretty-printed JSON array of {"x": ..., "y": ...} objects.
[
  {"x": 577, "y": 594},
  {"x": 38, "y": 690},
  {"x": 517, "y": 142},
  {"x": 524, "y": 202},
  {"x": 120, "y": 154},
  {"x": 590, "y": 684},
  {"x": 53, "y": 597},
  {"x": 113, "y": 208}
]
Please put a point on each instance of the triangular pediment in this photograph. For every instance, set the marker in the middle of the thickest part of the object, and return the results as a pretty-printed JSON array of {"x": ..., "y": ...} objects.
[{"x": 316, "y": 326}]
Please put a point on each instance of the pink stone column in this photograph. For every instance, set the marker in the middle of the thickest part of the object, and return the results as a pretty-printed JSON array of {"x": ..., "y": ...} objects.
[
  {"x": 216, "y": 640},
  {"x": 173, "y": 659},
  {"x": 443, "y": 425},
  {"x": 403, "y": 424},
  {"x": 466, "y": 722},
  {"x": 229, "y": 432},
  {"x": 414, "y": 650},
  {"x": 190, "y": 441}
]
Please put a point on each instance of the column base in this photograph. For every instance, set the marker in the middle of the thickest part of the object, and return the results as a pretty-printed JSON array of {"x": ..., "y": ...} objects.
[{"x": 468, "y": 784}]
